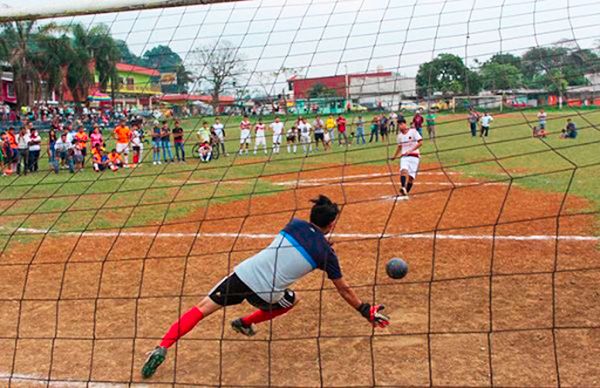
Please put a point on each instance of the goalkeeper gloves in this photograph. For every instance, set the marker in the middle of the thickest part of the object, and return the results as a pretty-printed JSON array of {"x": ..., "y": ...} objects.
[{"x": 373, "y": 314}]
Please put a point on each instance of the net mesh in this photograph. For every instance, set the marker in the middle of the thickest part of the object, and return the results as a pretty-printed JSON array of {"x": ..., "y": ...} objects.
[{"x": 500, "y": 232}]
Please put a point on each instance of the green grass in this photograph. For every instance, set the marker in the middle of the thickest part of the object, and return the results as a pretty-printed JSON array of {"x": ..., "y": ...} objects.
[{"x": 152, "y": 195}]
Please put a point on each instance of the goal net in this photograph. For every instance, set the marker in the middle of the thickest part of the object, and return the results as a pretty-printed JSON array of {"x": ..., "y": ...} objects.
[{"x": 149, "y": 148}]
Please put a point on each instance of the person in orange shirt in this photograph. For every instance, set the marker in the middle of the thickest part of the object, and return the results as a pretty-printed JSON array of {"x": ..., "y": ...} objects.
[
  {"x": 11, "y": 159},
  {"x": 114, "y": 160},
  {"x": 82, "y": 138},
  {"x": 123, "y": 136},
  {"x": 99, "y": 159}
]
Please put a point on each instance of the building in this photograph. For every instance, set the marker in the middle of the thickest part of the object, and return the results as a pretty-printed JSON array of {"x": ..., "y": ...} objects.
[
  {"x": 7, "y": 87},
  {"x": 201, "y": 101},
  {"x": 138, "y": 85},
  {"x": 385, "y": 89}
]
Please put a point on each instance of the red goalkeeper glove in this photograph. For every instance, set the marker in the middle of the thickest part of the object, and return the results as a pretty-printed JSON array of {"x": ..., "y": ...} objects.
[{"x": 373, "y": 314}]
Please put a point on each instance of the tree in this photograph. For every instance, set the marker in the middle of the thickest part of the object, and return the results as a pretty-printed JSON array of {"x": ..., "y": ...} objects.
[
  {"x": 218, "y": 66},
  {"x": 321, "y": 91},
  {"x": 505, "y": 59},
  {"x": 165, "y": 60},
  {"x": 448, "y": 75},
  {"x": 18, "y": 46},
  {"x": 495, "y": 76}
]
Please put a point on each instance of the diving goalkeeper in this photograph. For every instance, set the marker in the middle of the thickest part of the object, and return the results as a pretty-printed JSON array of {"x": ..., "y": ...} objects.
[{"x": 264, "y": 280}]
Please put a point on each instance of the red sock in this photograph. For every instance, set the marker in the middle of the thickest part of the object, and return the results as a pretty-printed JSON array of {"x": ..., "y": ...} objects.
[
  {"x": 180, "y": 328},
  {"x": 263, "y": 315}
]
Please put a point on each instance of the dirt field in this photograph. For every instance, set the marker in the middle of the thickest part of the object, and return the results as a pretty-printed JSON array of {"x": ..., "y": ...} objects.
[{"x": 76, "y": 308}]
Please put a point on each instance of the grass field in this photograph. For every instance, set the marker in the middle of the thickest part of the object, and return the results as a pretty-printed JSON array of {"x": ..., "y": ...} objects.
[{"x": 170, "y": 191}]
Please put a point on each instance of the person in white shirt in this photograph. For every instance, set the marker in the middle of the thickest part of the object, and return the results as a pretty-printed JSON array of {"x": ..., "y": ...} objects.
[
  {"x": 319, "y": 128},
  {"x": 245, "y": 136},
  {"x": 305, "y": 130},
  {"x": 219, "y": 129},
  {"x": 260, "y": 139},
  {"x": 137, "y": 144},
  {"x": 542, "y": 117},
  {"x": 409, "y": 142},
  {"x": 23, "y": 140},
  {"x": 35, "y": 142},
  {"x": 277, "y": 129},
  {"x": 486, "y": 120}
]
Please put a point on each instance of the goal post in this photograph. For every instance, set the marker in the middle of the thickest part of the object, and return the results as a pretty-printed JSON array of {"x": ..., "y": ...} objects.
[
  {"x": 490, "y": 102},
  {"x": 34, "y": 10}
]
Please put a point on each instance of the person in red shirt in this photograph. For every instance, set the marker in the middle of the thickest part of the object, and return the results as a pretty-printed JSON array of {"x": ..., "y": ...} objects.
[
  {"x": 341, "y": 127},
  {"x": 417, "y": 122},
  {"x": 11, "y": 158}
]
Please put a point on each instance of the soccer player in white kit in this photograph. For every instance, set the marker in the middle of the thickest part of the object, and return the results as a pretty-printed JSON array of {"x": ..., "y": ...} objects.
[
  {"x": 409, "y": 142},
  {"x": 260, "y": 139},
  {"x": 277, "y": 128},
  {"x": 305, "y": 129},
  {"x": 245, "y": 137},
  {"x": 219, "y": 129}
]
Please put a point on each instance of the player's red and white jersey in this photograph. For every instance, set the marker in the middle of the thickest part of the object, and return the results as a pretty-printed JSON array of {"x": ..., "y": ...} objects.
[
  {"x": 259, "y": 129},
  {"x": 408, "y": 141},
  {"x": 245, "y": 125}
]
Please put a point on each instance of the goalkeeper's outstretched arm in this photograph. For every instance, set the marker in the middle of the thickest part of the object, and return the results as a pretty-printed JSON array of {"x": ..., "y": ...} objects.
[{"x": 371, "y": 313}]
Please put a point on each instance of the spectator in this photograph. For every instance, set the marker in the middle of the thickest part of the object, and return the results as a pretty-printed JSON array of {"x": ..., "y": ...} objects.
[
  {"x": 539, "y": 132},
  {"x": 360, "y": 130},
  {"x": 383, "y": 127},
  {"x": 430, "y": 121},
  {"x": 319, "y": 130},
  {"x": 570, "y": 132},
  {"x": 96, "y": 137},
  {"x": 178, "y": 140},
  {"x": 51, "y": 143},
  {"x": 473, "y": 119},
  {"x": 99, "y": 158},
  {"x": 4, "y": 145},
  {"x": 486, "y": 120},
  {"x": 219, "y": 129},
  {"x": 23, "y": 139},
  {"x": 542, "y": 117},
  {"x": 417, "y": 122},
  {"x": 156, "y": 143},
  {"x": 341, "y": 127},
  {"x": 115, "y": 161},
  {"x": 81, "y": 137},
  {"x": 330, "y": 126},
  {"x": 12, "y": 150},
  {"x": 205, "y": 152},
  {"x": 35, "y": 142},
  {"x": 374, "y": 129},
  {"x": 165, "y": 141},
  {"x": 63, "y": 156},
  {"x": 137, "y": 143},
  {"x": 123, "y": 136},
  {"x": 77, "y": 155}
]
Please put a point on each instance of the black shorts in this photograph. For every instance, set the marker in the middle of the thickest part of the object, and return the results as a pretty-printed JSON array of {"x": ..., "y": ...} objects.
[
  {"x": 136, "y": 148},
  {"x": 291, "y": 138},
  {"x": 319, "y": 136},
  {"x": 231, "y": 291}
]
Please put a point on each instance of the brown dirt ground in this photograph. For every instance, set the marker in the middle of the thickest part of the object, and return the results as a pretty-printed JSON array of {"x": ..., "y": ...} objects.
[{"x": 88, "y": 308}]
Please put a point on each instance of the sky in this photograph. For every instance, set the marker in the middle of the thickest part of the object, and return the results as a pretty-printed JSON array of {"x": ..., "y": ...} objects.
[{"x": 276, "y": 38}]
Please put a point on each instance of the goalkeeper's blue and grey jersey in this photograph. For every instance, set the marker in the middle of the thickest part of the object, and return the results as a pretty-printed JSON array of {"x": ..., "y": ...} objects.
[{"x": 297, "y": 250}]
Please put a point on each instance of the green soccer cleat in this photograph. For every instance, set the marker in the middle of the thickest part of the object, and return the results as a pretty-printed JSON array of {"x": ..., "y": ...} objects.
[
  {"x": 239, "y": 326},
  {"x": 155, "y": 358}
]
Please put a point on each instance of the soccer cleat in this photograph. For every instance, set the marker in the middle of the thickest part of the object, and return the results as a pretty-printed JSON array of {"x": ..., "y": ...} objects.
[
  {"x": 239, "y": 326},
  {"x": 404, "y": 192},
  {"x": 155, "y": 358}
]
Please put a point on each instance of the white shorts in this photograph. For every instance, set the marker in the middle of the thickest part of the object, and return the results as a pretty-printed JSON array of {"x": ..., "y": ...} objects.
[
  {"x": 260, "y": 140},
  {"x": 410, "y": 164},
  {"x": 245, "y": 137},
  {"x": 304, "y": 139},
  {"x": 277, "y": 139},
  {"x": 122, "y": 148}
]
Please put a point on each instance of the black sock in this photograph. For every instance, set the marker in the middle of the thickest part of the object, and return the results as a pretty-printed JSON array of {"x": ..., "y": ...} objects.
[
  {"x": 409, "y": 186},
  {"x": 403, "y": 180}
]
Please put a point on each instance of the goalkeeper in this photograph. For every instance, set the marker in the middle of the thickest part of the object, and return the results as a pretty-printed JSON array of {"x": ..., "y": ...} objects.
[{"x": 263, "y": 281}]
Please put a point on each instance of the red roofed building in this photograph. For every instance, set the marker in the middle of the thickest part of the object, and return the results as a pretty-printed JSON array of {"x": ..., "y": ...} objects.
[{"x": 339, "y": 83}]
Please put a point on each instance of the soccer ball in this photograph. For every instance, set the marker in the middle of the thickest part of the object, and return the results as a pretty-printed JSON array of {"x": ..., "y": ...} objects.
[{"x": 396, "y": 268}]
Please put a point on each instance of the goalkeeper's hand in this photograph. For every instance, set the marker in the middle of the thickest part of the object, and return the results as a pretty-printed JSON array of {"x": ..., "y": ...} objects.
[{"x": 373, "y": 314}]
